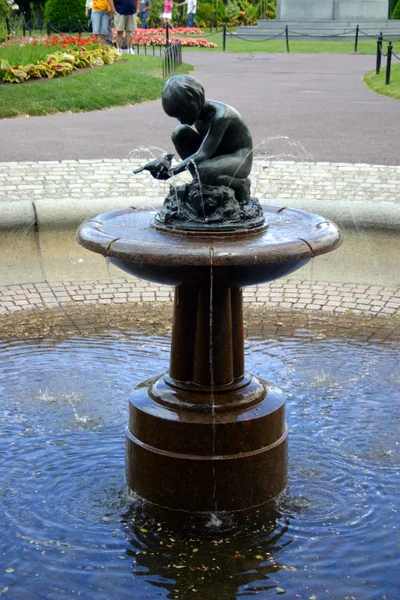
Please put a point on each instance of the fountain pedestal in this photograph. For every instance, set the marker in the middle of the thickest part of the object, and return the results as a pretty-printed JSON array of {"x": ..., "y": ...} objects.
[{"x": 207, "y": 436}]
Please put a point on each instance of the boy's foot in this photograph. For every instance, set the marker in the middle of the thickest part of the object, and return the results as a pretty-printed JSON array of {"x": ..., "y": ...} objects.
[
  {"x": 242, "y": 191},
  {"x": 131, "y": 51}
]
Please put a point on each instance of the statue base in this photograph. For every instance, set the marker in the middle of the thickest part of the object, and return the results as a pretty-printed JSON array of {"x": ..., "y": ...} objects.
[
  {"x": 199, "y": 207},
  {"x": 182, "y": 454}
]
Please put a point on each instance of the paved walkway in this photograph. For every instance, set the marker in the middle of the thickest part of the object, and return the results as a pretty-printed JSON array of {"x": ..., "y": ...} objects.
[
  {"x": 271, "y": 181},
  {"x": 318, "y": 101},
  {"x": 322, "y": 297}
]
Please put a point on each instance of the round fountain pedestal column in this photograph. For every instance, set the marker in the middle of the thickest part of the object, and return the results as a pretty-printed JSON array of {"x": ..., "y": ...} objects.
[{"x": 207, "y": 436}]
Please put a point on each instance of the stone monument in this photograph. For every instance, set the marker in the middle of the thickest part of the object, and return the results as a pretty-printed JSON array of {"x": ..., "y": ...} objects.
[{"x": 336, "y": 10}]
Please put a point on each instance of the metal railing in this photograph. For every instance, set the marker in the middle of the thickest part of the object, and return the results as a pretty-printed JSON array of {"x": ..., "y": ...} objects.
[
  {"x": 289, "y": 35},
  {"x": 389, "y": 58},
  {"x": 172, "y": 58}
]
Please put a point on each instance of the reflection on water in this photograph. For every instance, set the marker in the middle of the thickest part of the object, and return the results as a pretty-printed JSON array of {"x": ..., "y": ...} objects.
[{"x": 69, "y": 528}]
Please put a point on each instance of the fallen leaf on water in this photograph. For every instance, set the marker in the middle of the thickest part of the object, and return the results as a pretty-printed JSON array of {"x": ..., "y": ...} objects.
[
  {"x": 10, "y": 570},
  {"x": 281, "y": 590},
  {"x": 259, "y": 556}
]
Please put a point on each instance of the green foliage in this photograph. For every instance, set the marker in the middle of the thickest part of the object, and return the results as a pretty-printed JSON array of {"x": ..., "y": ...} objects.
[
  {"x": 5, "y": 13},
  {"x": 392, "y": 4},
  {"x": 206, "y": 11},
  {"x": 58, "y": 12},
  {"x": 270, "y": 12},
  {"x": 396, "y": 11},
  {"x": 232, "y": 10}
]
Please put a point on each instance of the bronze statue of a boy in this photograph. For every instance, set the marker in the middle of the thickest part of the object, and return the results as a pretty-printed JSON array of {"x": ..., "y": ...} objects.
[
  {"x": 215, "y": 144},
  {"x": 219, "y": 150}
]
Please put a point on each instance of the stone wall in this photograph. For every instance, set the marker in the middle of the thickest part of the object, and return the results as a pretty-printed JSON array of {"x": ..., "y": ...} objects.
[{"x": 288, "y": 10}]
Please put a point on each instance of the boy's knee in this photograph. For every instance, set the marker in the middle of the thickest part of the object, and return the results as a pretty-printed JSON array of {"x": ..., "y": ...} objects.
[
  {"x": 207, "y": 175},
  {"x": 179, "y": 132}
]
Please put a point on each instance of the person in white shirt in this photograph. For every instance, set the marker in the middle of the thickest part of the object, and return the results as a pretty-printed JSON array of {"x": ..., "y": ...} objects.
[{"x": 191, "y": 8}]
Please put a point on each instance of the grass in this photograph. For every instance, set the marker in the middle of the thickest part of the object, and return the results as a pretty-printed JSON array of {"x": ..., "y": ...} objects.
[
  {"x": 132, "y": 81},
  {"x": 24, "y": 55},
  {"x": 376, "y": 83},
  {"x": 296, "y": 47}
]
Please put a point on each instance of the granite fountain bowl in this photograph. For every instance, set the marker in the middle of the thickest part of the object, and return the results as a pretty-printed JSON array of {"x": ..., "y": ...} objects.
[
  {"x": 131, "y": 241},
  {"x": 207, "y": 435}
]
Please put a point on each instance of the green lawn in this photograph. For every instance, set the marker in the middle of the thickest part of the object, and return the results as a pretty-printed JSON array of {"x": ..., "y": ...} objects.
[
  {"x": 131, "y": 81},
  {"x": 23, "y": 55},
  {"x": 376, "y": 83},
  {"x": 296, "y": 47}
]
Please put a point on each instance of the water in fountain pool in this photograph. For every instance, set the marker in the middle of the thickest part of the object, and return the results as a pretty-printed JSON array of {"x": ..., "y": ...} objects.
[{"x": 70, "y": 529}]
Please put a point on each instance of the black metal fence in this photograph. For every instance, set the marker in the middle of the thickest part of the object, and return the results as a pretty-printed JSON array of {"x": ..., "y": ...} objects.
[
  {"x": 172, "y": 58},
  {"x": 389, "y": 58},
  {"x": 355, "y": 35}
]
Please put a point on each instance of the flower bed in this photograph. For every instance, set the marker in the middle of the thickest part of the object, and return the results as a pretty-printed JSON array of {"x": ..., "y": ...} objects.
[
  {"x": 59, "y": 64},
  {"x": 159, "y": 40},
  {"x": 64, "y": 41},
  {"x": 175, "y": 30},
  {"x": 156, "y": 37}
]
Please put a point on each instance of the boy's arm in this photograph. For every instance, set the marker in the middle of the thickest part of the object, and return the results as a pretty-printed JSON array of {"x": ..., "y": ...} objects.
[
  {"x": 208, "y": 146},
  {"x": 111, "y": 5}
]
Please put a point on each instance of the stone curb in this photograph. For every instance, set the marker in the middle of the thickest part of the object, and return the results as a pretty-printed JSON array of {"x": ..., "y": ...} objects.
[{"x": 66, "y": 214}]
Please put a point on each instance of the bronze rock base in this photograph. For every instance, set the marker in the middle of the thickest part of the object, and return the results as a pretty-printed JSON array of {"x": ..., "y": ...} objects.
[{"x": 182, "y": 456}]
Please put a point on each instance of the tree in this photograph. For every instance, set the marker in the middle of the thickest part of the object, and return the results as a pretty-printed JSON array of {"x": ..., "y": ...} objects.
[
  {"x": 65, "y": 14},
  {"x": 396, "y": 11}
]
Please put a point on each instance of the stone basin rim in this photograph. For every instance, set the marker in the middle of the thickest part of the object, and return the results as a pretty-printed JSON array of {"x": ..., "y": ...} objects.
[{"x": 306, "y": 235}]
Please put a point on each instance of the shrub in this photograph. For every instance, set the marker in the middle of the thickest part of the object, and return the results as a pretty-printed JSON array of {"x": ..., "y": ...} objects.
[
  {"x": 392, "y": 4},
  {"x": 65, "y": 14},
  {"x": 5, "y": 13},
  {"x": 396, "y": 11},
  {"x": 232, "y": 11},
  {"x": 270, "y": 13}
]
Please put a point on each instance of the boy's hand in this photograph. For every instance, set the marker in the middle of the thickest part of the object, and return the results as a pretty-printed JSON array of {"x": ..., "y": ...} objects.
[{"x": 182, "y": 166}]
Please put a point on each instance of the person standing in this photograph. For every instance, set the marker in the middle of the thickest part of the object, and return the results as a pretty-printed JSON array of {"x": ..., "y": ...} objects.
[
  {"x": 144, "y": 12},
  {"x": 88, "y": 12},
  {"x": 101, "y": 10},
  {"x": 191, "y": 8},
  {"x": 125, "y": 21},
  {"x": 167, "y": 14}
]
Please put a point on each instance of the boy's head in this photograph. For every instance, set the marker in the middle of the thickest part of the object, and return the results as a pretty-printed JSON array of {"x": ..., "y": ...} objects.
[{"x": 183, "y": 98}]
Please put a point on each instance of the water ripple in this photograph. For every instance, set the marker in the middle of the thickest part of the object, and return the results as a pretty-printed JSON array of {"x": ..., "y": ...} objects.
[{"x": 69, "y": 526}]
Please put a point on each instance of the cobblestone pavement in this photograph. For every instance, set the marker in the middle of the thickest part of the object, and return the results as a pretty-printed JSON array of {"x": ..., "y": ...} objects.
[
  {"x": 272, "y": 180},
  {"x": 345, "y": 299}
]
